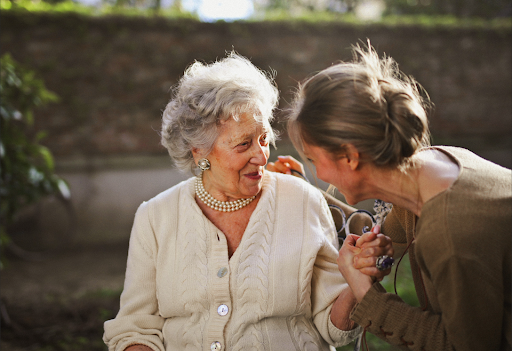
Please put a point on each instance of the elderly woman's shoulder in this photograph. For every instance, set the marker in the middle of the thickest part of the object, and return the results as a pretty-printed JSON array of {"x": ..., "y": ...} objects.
[{"x": 170, "y": 195}]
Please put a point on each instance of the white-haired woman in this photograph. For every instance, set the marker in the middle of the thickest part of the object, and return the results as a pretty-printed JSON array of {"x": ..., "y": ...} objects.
[
  {"x": 236, "y": 258},
  {"x": 364, "y": 126}
]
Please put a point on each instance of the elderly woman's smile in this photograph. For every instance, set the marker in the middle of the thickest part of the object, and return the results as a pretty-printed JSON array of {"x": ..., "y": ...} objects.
[{"x": 238, "y": 158}]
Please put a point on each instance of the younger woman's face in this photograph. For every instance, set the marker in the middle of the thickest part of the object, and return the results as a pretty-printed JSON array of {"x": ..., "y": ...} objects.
[
  {"x": 335, "y": 170},
  {"x": 238, "y": 159},
  {"x": 325, "y": 166}
]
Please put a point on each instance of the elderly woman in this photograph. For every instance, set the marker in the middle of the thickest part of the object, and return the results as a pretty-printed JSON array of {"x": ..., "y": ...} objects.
[
  {"x": 235, "y": 258},
  {"x": 364, "y": 127}
]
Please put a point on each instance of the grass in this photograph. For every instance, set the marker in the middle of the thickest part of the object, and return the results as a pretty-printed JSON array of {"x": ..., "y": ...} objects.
[{"x": 61, "y": 324}]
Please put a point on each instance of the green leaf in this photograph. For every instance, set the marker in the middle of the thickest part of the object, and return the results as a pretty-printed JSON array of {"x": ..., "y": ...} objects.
[
  {"x": 47, "y": 157},
  {"x": 26, "y": 167}
]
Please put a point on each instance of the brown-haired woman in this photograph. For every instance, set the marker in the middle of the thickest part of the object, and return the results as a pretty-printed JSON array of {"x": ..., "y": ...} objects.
[{"x": 364, "y": 126}]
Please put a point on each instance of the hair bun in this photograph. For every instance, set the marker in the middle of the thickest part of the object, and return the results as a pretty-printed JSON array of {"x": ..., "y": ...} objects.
[
  {"x": 368, "y": 103},
  {"x": 405, "y": 121}
]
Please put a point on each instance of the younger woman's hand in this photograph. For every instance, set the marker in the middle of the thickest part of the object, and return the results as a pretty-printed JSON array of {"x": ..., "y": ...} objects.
[
  {"x": 359, "y": 283},
  {"x": 373, "y": 244},
  {"x": 285, "y": 164}
]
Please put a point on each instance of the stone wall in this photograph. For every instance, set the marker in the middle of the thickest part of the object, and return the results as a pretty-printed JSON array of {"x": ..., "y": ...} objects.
[{"x": 113, "y": 76}]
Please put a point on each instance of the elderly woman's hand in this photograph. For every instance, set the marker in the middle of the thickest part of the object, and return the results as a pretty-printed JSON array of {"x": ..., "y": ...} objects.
[
  {"x": 286, "y": 164},
  {"x": 359, "y": 282},
  {"x": 372, "y": 245}
]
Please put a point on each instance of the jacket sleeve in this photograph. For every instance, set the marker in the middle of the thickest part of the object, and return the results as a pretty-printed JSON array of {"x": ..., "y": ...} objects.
[
  {"x": 466, "y": 298},
  {"x": 468, "y": 293},
  {"x": 138, "y": 320},
  {"x": 327, "y": 283},
  {"x": 387, "y": 316}
]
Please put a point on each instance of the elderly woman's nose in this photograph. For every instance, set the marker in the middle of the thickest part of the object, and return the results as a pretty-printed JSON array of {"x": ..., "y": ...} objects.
[{"x": 260, "y": 155}]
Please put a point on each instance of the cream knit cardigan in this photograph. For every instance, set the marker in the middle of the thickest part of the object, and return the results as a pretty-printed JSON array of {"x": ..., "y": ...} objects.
[{"x": 278, "y": 287}]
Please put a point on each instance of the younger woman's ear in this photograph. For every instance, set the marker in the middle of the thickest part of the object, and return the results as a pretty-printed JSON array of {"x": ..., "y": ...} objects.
[{"x": 352, "y": 156}]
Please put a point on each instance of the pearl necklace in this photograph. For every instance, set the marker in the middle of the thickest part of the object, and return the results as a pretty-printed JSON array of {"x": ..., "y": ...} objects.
[{"x": 224, "y": 206}]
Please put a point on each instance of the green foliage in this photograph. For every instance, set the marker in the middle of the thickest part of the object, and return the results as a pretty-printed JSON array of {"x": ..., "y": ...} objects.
[
  {"x": 32, "y": 6},
  {"x": 65, "y": 323},
  {"x": 309, "y": 16},
  {"x": 422, "y": 20},
  {"x": 107, "y": 8},
  {"x": 26, "y": 166},
  {"x": 404, "y": 283},
  {"x": 308, "y": 5},
  {"x": 456, "y": 8},
  {"x": 429, "y": 13},
  {"x": 448, "y": 21}
]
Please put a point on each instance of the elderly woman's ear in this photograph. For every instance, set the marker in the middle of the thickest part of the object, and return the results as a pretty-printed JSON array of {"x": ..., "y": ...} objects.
[{"x": 197, "y": 154}]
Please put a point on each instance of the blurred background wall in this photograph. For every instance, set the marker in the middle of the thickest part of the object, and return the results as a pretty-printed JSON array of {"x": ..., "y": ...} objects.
[{"x": 113, "y": 75}]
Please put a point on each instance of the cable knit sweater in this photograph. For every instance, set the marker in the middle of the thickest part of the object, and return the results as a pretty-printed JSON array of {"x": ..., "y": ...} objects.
[
  {"x": 181, "y": 291},
  {"x": 461, "y": 261}
]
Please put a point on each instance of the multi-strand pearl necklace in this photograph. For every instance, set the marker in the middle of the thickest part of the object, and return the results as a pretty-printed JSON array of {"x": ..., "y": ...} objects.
[{"x": 224, "y": 206}]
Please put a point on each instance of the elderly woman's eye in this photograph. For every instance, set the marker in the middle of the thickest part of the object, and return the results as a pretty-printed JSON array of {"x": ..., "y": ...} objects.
[{"x": 264, "y": 139}]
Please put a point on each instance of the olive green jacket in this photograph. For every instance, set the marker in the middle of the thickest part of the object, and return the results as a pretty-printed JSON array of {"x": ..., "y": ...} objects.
[{"x": 461, "y": 259}]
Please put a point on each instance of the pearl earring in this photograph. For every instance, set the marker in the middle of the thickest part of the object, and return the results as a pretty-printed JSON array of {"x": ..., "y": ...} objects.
[{"x": 204, "y": 164}]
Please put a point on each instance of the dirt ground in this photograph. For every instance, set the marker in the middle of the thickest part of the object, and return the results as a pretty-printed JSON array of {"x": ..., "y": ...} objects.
[{"x": 60, "y": 302}]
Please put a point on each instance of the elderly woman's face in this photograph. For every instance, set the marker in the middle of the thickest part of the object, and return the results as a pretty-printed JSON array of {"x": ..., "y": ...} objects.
[{"x": 237, "y": 160}]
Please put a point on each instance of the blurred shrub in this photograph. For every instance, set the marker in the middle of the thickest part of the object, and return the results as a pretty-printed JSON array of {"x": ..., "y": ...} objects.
[
  {"x": 270, "y": 12},
  {"x": 26, "y": 167},
  {"x": 106, "y": 7},
  {"x": 29, "y": 5}
]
